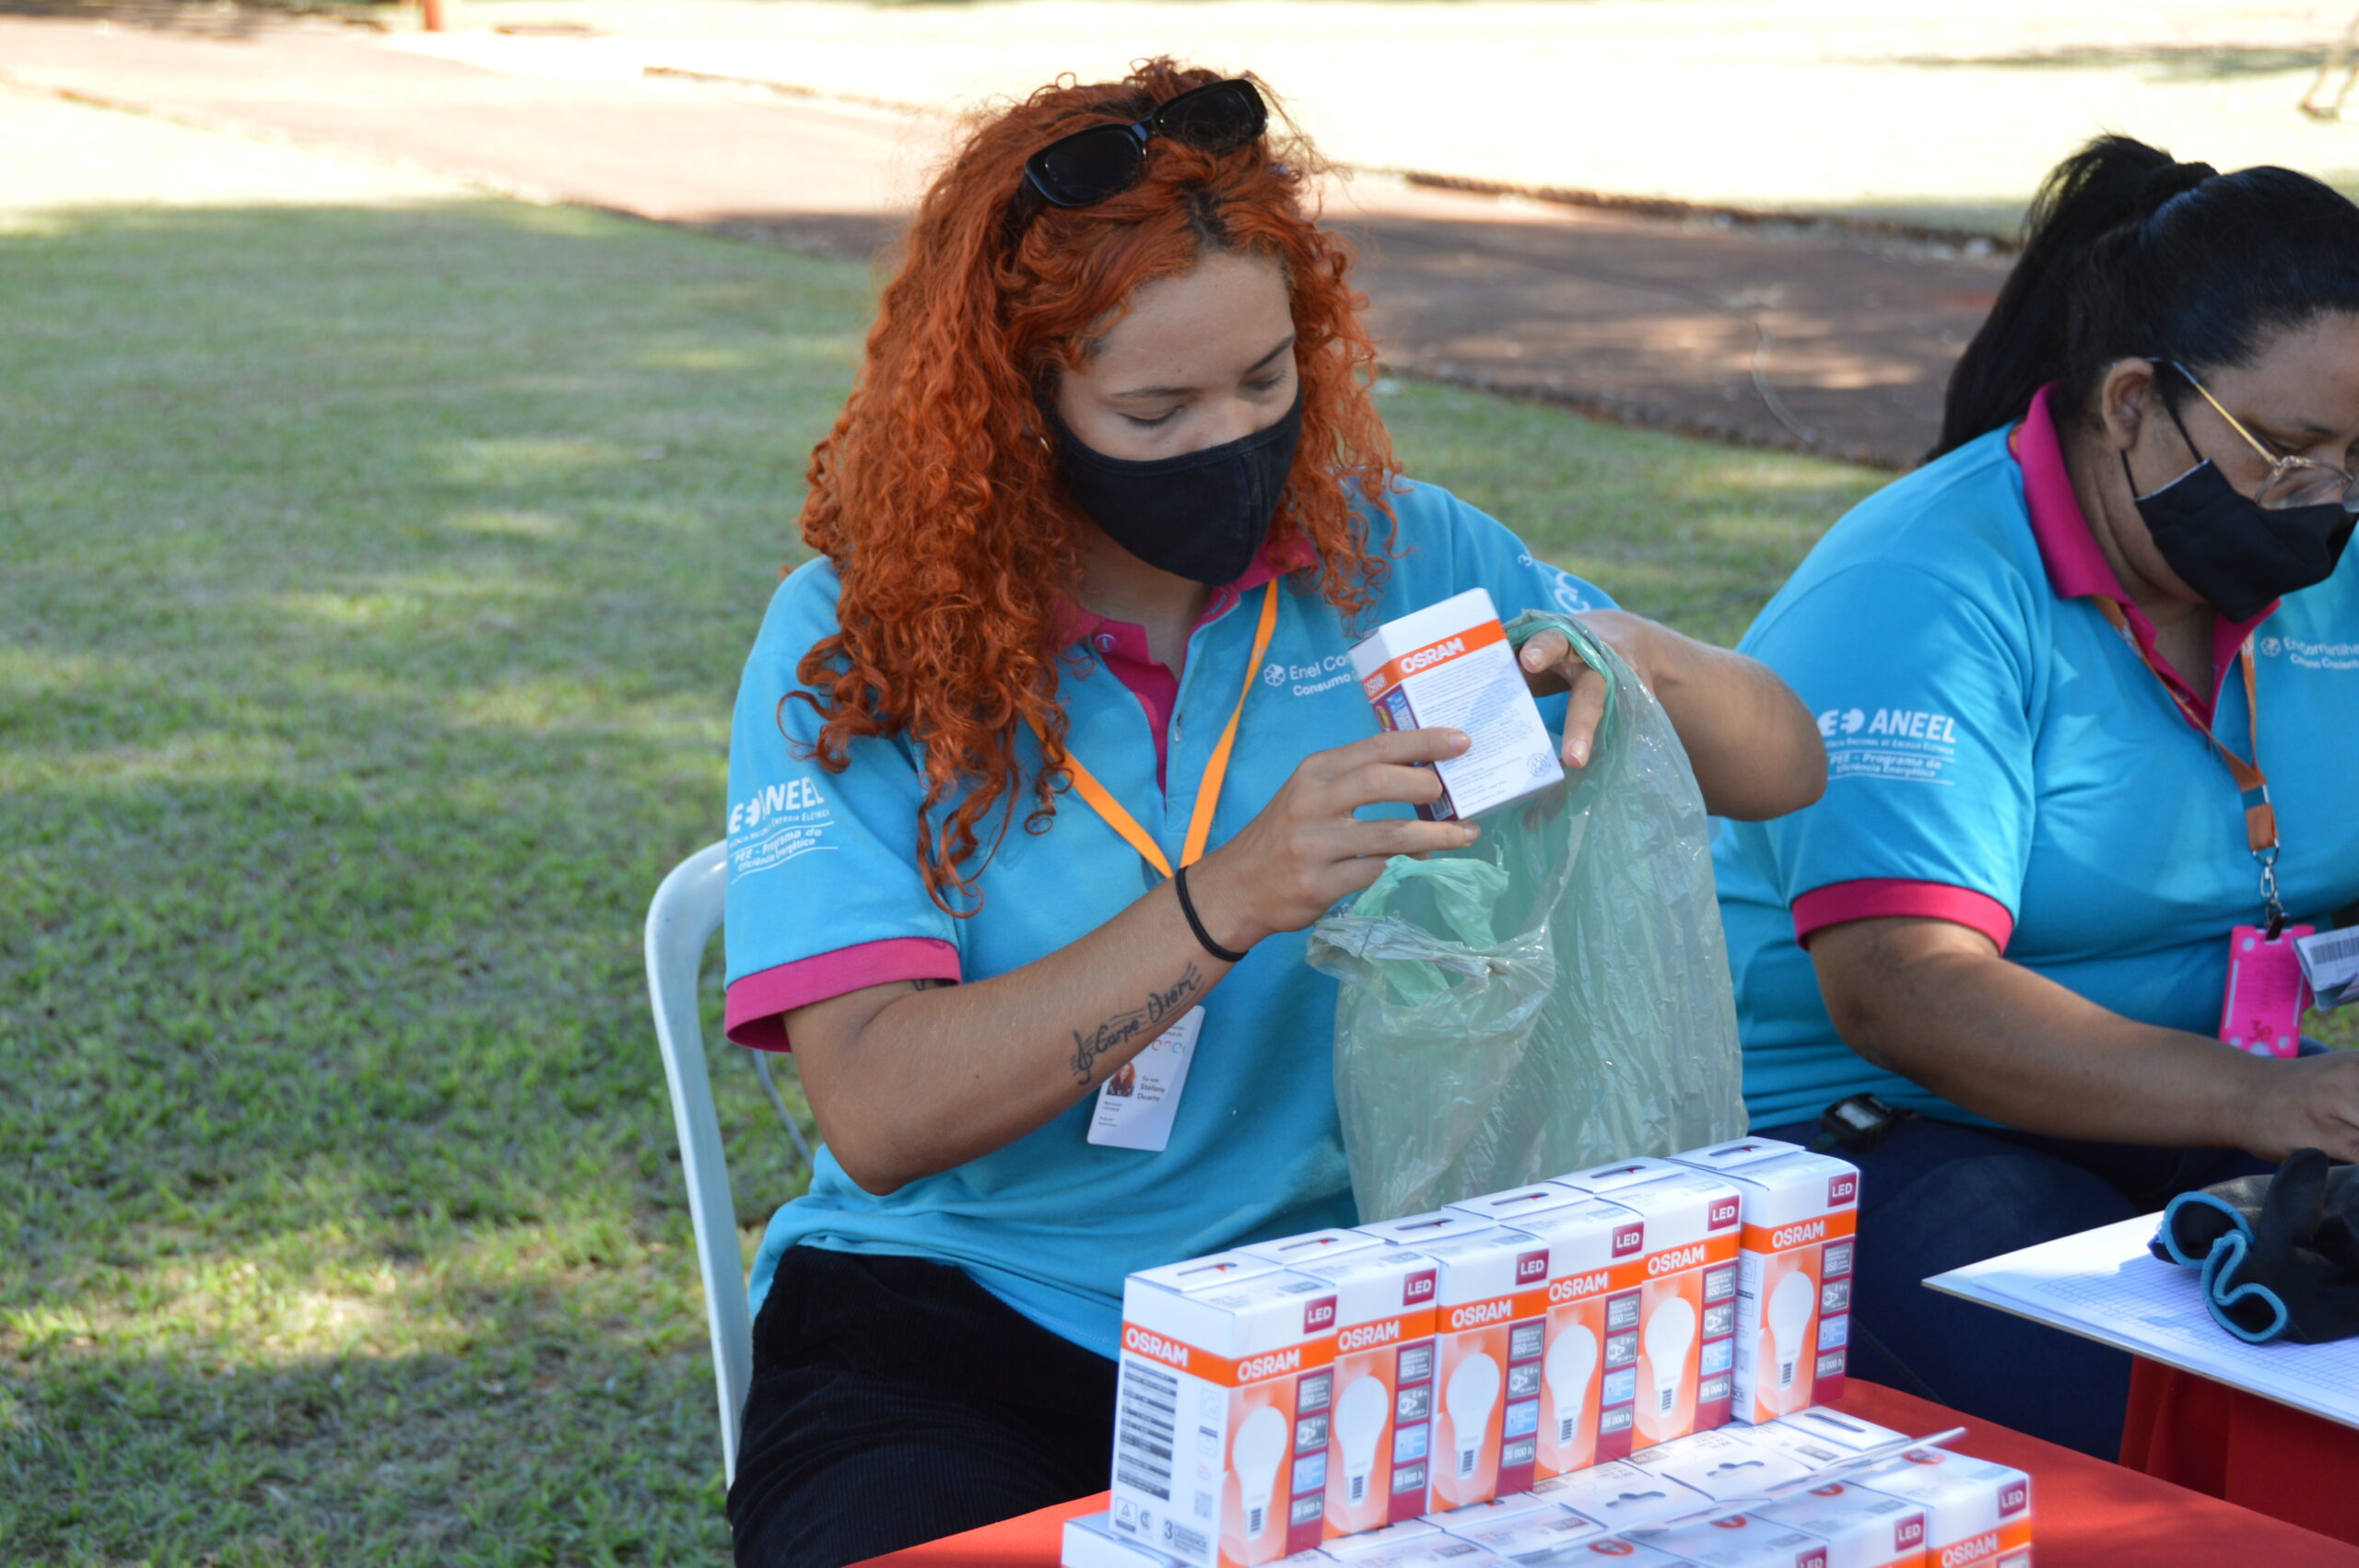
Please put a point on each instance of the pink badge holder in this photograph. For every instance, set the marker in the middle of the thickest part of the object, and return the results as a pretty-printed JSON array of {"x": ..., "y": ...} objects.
[{"x": 2266, "y": 997}]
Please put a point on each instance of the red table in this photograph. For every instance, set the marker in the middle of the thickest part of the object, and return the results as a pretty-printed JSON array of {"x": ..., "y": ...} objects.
[
  {"x": 2252, "y": 1452},
  {"x": 2086, "y": 1511}
]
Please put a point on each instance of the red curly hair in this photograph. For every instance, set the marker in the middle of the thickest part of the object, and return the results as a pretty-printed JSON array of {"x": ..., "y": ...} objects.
[{"x": 937, "y": 497}]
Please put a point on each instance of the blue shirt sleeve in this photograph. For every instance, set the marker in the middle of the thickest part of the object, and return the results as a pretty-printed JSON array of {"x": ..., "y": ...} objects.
[
  {"x": 818, "y": 862},
  {"x": 1922, "y": 687}
]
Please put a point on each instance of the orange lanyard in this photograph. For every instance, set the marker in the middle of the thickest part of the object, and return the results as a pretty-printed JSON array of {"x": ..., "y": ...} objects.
[
  {"x": 2261, "y": 817},
  {"x": 1200, "y": 823}
]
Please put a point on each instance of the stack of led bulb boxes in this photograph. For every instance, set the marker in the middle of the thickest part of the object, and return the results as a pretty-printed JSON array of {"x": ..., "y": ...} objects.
[{"x": 1543, "y": 1376}]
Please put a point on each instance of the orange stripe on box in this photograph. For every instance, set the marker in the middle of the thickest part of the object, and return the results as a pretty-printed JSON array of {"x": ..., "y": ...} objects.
[
  {"x": 1406, "y": 1329},
  {"x": 1830, "y": 1227},
  {"x": 1597, "y": 1282},
  {"x": 1416, "y": 661},
  {"x": 1196, "y": 1361}
]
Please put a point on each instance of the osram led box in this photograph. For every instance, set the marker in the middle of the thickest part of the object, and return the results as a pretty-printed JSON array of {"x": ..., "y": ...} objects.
[
  {"x": 1742, "y": 1540},
  {"x": 1588, "y": 1361},
  {"x": 1621, "y": 1496},
  {"x": 1861, "y": 1528},
  {"x": 1524, "y": 1533},
  {"x": 1612, "y": 1551},
  {"x": 1380, "y": 1428},
  {"x": 1688, "y": 1308},
  {"x": 1793, "y": 1283},
  {"x": 1723, "y": 1464},
  {"x": 1736, "y": 1152},
  {"x": 1977, "y": 1515},
  {"x": 1490, "y": 1296},
  {"x": 1450, "y": 664},
  {"x": 1312, "y": 1246},
  {"x": 1846, "y": 1431},
  {"x": 1221, "y": 1418}
]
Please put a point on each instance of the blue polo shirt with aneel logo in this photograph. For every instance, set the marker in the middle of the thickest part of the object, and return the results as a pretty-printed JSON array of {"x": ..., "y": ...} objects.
[
  {"x": 825, "y": 896},
  {"x": 1999, "y": 756}
]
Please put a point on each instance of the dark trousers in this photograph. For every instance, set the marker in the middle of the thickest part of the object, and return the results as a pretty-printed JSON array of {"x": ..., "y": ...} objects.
[
  {"x": 895, "y": 1401},
  {"x": 1935, "y": 1195}
]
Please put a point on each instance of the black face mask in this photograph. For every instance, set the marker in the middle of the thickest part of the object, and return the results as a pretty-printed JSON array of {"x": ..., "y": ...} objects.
[
  {"x": 2228, "y": 547},
  {"x": 1202, "y": 515}
]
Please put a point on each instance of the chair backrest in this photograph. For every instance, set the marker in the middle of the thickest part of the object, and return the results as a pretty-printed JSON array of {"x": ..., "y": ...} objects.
[{"x": 680, "y": 922}]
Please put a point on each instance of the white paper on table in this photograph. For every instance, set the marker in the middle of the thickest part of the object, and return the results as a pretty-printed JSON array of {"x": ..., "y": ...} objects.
[{"x": 2103, "y": 1284}]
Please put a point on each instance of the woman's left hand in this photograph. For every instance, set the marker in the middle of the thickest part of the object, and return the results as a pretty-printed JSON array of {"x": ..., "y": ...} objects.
[
  {"x": 1550, "y": 666},
  {"x": 1754, "y": 748}
]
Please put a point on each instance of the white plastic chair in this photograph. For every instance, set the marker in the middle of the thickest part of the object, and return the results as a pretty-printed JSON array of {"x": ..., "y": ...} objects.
[{"x": 680, "y": 922}]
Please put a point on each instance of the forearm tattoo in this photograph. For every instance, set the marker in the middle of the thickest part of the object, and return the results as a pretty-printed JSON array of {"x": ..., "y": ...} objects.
[{"x": 1161, "y": 1008}]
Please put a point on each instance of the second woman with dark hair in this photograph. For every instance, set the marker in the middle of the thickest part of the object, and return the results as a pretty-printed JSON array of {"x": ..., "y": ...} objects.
[{"x": 2090, "y": 686}]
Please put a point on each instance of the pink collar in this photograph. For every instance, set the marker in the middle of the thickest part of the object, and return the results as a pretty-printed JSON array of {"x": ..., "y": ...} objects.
[
  {"x": 1071, "y": 623},
  {"x": 2078, "y": 569}
]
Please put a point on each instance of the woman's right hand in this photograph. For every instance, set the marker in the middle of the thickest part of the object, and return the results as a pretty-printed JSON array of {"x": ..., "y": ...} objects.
[
  {"x": 2309, "y": 1103},
  {"x": 1306, "y": 850}
]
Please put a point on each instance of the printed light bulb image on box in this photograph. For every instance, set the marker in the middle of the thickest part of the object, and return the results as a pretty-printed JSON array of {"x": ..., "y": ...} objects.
[
  {"x": 1362, "y": 1412},
  {"x": 1260, "y": 1449},
  {"x": 1571, "y": 1363},
  {"x": 1670, "y": 1338},
  {"x": 1793, "y": 1304},
  {"x": 1474, "y": 1390}
]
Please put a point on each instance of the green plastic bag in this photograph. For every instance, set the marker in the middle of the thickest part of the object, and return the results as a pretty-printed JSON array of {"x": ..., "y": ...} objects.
[{"x": 1555, "y": 996}]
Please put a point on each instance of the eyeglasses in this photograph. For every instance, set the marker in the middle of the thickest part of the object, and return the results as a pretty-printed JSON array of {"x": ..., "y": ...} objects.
[
  {"x": 2292, "y": 481},
  {"x": 1103, "y": 161}
]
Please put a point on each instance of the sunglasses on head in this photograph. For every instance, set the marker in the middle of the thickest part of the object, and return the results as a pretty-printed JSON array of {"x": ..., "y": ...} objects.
[{"x": 1103, "y": 161}]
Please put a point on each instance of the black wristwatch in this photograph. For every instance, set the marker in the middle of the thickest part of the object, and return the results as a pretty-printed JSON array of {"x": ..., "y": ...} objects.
[{"x": 1858, "y": 1124}]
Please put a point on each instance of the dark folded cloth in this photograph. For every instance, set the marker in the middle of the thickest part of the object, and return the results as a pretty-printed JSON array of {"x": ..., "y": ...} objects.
[{"x": 2279, "y": 1254}]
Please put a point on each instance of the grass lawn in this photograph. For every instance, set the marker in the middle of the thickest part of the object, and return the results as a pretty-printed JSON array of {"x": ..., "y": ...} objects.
[{"x": 377, "y": 574}]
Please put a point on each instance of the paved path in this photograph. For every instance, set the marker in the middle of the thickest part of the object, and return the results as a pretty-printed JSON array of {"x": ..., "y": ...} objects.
[{"x": 1793, "y": 339}]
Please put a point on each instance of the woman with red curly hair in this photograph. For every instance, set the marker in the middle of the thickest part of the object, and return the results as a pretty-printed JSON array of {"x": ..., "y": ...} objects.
[{"x": 1011, "y": 861}]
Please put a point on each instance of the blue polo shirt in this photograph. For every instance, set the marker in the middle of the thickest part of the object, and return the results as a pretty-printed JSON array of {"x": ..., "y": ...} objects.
[
  {"x": 1999, "y": 755},
  {"x": 823, "y": 881}
]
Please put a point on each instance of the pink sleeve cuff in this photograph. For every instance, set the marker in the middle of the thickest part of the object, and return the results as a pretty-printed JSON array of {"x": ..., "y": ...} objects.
[
  {"x": 1888, "y": 896},
  {"x": 757, "y": 1004}
]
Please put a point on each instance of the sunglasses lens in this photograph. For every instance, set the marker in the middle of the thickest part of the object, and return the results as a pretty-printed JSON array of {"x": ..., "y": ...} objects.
[
  {"x": 1219, "y": 118},
  {"x": 1086, "y": 167}
]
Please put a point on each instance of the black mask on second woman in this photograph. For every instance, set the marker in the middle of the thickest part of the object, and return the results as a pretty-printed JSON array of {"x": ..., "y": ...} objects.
[
  {"x": 2235, "y": 551},
  {"x": 1202, "y": 515}
]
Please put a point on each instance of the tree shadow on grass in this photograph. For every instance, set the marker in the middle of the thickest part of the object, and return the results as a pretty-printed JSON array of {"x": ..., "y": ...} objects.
[{"x": 377, "y": 593}]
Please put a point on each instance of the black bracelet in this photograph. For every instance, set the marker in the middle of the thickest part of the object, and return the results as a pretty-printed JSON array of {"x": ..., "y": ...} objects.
[{"x": 1187, "y": 908}]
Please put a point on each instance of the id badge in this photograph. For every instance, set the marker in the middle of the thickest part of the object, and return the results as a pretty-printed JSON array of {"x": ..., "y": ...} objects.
[
  {"x": 1136, "y": 1106},
  {"x": 2266, "y": 994}
]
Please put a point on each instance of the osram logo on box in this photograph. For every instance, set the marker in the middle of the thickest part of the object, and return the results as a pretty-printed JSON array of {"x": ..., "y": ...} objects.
[
  {"x": 1971, "y": 1549},
  {"x": 1531, "y": 1268},
  {"x": 1629, "y": 1240},
  {"x": 1723, "y": 1213},
  {"x": 1842, "y": 1190},
  {"x": 1418, "y": 1288},
  {"x": 1481, "y": 1313},
  {"x": 1318, "y": 1315},
  {"x": 1171, "y": 1352},
  {"x": 1433, "y": 653}
]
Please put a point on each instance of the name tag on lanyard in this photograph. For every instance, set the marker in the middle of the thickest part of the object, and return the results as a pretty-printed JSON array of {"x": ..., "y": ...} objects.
[
  {"x": 2267, "y": 992},
  {"x": 1138, "y": 1103}
]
